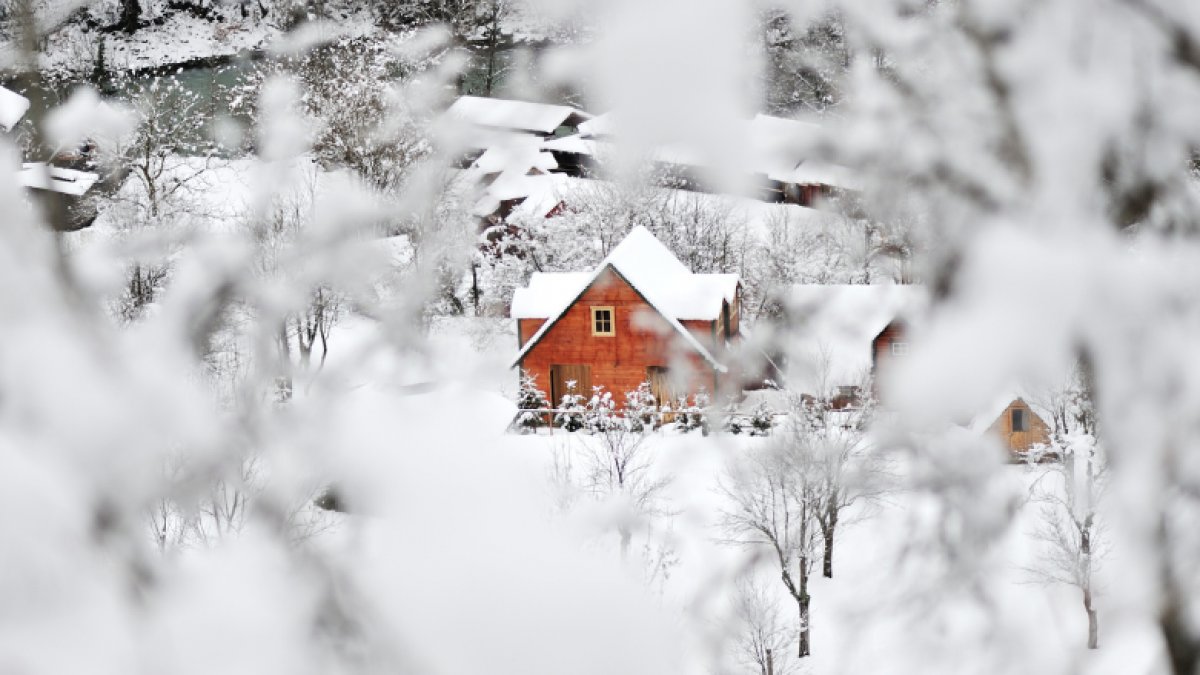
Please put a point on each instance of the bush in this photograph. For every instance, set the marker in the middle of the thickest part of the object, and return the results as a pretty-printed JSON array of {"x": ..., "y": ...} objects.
[
  {"x": 530, "y": 398},
  {"x": 761, "y": 420},
  {"x": 641, "y": 411},
  {"x": 573, "y": 403},
  {"x": 601, "y": 412},
  {"x": 730, "y": 421},
  {"x": 692, "y": 417}
]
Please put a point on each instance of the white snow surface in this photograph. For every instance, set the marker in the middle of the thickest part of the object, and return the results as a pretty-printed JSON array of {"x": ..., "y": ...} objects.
[
  {"x": 652, "y": 270},
  {"x": 545, "y": 193},
  {"x": 817, "y": 172},
  {"x": 64, "y": 181},
  {"x": 600, "y": 125},
  {"x": 508, "y": 114},
  {"x": 835, "y": 325},
  {"x": 778, "y": 144},
  {"x": 13, "y": 107},
  {"x": 577, "y": 144},
  {"x": 547, "y": 293}
]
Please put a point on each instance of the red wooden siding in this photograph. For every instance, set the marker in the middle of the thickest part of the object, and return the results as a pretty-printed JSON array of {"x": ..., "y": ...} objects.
[
  {"x": 882, "y": 347},
  {"x": 527, "y": 328}
]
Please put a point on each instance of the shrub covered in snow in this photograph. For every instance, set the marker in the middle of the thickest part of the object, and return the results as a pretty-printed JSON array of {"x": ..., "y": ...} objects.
[
  {"x": 576, "y": 410},
  {"x": 529, "y": 399},
  {"x": 641, "y": 410},
  {"x": 601, "y": 415},
  {"x": 690, "y": 417},
  {"x": 761, "y": 420}
]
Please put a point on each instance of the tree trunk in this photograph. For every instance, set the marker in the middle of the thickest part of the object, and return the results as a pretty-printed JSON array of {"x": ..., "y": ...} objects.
[
  {"x": 829, "y": 530},
  {"x": 1093, "y": 623},
  {"x": 828, "y": 567},
  {"x": 803, "y": 601},
  {"x": 131, "y": 13}
]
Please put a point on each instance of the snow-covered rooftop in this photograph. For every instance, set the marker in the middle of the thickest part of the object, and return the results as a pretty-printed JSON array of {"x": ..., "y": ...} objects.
[
  {"x": 817, "y": 172},
  {"x": 65, "y": 181},
  {"x": 512, "y": 165},
  {"x": 779, "y": 145},
  {"x": 548, "y": 293},
  {"x": 834, "y": 326},
  {"x": 577, "y": 144},
  {"x": 600, "y": 125},
  {"x": 13, "y": 107},
  {"x": 651, "y": 269},
  {"x": 507, "y": 114},
  {"x": 546, "y": 192}
]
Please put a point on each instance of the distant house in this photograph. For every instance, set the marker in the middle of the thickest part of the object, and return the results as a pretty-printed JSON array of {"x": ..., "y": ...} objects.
[
  {"x": 474, "y": 124},
  {"x": 539, "y": 119},
  {"x": 639, "y": 316},
  {"x": 1016, "y": 425},
  {"x": 830, "y": 332}
]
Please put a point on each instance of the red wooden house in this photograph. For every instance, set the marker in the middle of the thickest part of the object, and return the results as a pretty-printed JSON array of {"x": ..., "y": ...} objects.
[{"x": 639, "y": 316}]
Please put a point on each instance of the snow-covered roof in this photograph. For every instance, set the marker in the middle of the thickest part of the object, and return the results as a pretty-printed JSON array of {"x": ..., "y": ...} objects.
[
  {"x": 506, "y": 114},
  {"x": 779, "y": 145},
  {"x": 513, "y": 164},
  {"x": 13, "y": 107},
  {"x": 546, "y": 192},
  {"x": 833, "y": 327},
  {"x": 65, "y": 181},
  {"x": 652, "y": 270},
  {"x": 522, "y": 152},
  {"x": 986, "y": 417},
  {"x": 817, "y": 172},
  {"x": 577, "y": 144},
  {"x": 600, "y": 125},
  {"x": 548, "y": 293}
]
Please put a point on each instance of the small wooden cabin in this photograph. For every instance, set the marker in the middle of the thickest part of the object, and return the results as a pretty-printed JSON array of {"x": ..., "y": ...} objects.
[
  {"x": 1019, "y": 428},
  {"x": 640, "y": 316}
]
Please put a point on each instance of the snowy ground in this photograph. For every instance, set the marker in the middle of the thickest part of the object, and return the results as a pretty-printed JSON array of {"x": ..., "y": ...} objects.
[{"x": 893, "y": 590}]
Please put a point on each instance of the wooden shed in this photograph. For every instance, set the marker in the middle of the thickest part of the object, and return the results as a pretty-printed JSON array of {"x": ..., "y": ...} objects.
[
  {"x": 639, "y": 316},
  {"x": 1017, "y": 426}
]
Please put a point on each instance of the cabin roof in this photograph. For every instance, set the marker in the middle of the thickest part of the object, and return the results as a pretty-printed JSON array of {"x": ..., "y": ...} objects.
[
  {"x": 991, "y": 414},
  {"x": 650, "y": 268},
  {"x": 507, "y": 114},
  {"x": 600, "y": 125},
  {"x": 576, "y": 144},
  {"x": 13, "y": 107},
  {"x": 779, "y": 145},
  {"x": 839, "y": 324},
  {"x": 817, "y": 172},
  {"x": 39, "y": 175},
  {"x": 546, "y": 192}
]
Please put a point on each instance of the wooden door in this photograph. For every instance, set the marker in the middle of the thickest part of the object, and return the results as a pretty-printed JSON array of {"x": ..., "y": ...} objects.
[
  {"x": 560, "y": 374},
  {"x": 661, "y": 387}
]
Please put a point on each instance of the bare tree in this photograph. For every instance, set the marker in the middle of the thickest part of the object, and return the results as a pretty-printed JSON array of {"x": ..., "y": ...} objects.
[
  {"x": 1072, "y": 533},
  {"x": 772, "y": 498},
  {"x": 764, "y": 635},
  {"x": 618, "y": 464}
]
